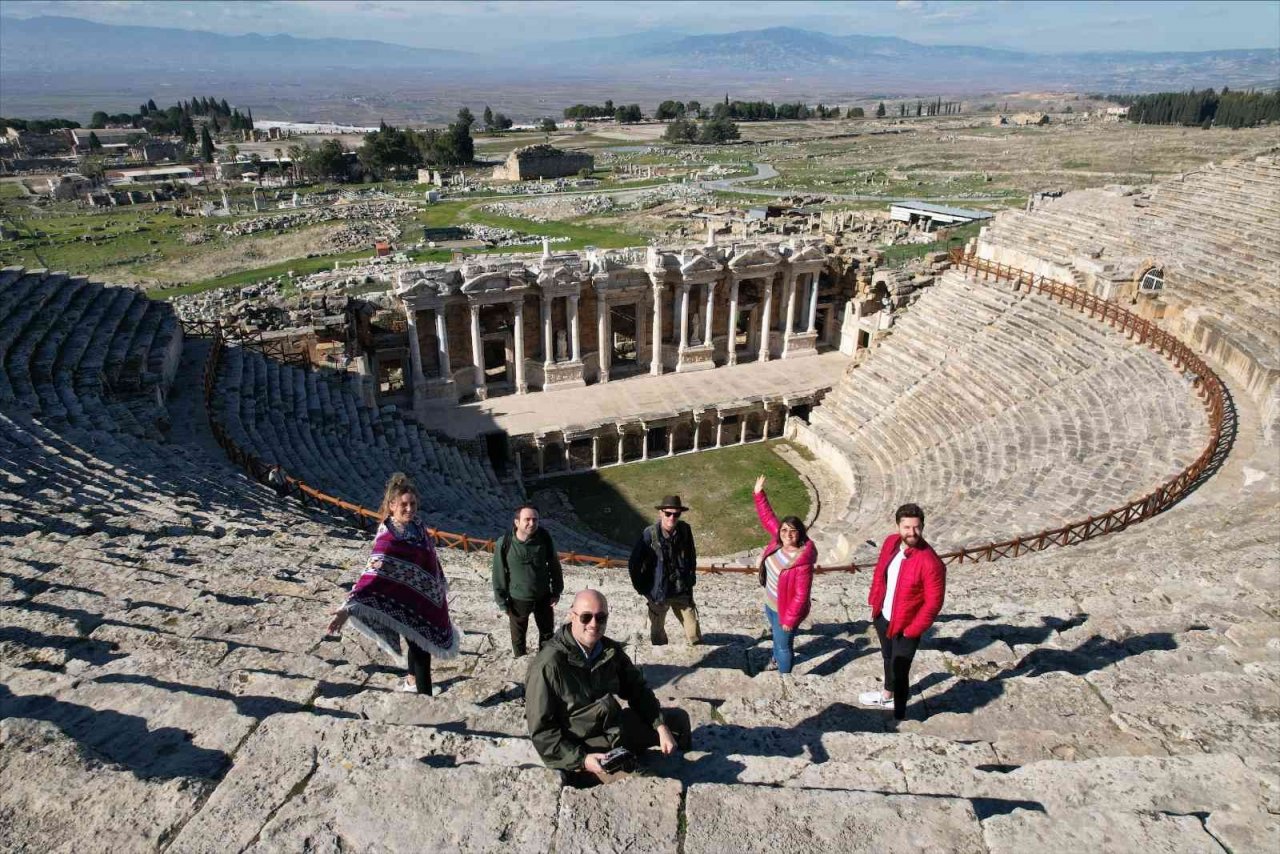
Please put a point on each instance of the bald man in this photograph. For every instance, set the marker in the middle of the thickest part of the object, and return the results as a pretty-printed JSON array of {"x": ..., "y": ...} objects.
[{"x": 574, "y": 717}]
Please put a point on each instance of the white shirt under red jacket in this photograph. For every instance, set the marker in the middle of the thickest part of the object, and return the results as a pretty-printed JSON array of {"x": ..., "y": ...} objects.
[{"x": 919, "y": 592}]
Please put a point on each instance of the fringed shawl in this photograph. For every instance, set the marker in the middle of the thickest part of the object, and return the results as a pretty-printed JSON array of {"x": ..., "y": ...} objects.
[{"x": 403, "y": 592}]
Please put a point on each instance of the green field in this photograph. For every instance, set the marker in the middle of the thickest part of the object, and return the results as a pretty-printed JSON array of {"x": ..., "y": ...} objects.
[
  {"x": 617, "y": 502},
  {"x": 896, "y": 256}
]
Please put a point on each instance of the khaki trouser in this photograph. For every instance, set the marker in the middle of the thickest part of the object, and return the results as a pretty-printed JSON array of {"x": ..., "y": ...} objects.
[{"x": 686, "y": 612}]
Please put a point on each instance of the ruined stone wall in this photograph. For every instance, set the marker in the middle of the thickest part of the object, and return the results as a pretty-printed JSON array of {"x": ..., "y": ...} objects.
[{"x": 542, "y": 161}]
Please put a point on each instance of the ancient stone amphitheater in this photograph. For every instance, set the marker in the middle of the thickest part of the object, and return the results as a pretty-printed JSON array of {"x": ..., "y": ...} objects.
[{"x": 165, "y": 683}]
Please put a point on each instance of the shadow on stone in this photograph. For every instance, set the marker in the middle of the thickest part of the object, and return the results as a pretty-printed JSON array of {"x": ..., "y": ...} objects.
[{"x": 119, "y": 739}]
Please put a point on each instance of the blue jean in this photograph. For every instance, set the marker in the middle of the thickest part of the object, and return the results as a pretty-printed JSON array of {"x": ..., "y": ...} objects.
[{"x": 782, "y": 641}]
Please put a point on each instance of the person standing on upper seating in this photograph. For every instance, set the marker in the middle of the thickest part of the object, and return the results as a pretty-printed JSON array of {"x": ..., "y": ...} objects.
[
  {"x": 527, "y": 578},
  {"x": 402, "y": 591},
  {"x": 663, "y": 568},
  {"x": 786, "y": 574},
  {"x": 907, "y": 591}
]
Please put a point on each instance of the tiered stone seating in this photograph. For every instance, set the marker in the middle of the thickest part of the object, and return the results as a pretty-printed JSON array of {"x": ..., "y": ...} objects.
[
  {"x": 1003, "y": 413},
  {"x": 1215, "y": 233},
  {"x": 163, "y": 667},
  {"x": 316, "y": 427},
  {"x": 63, "y": 336}
]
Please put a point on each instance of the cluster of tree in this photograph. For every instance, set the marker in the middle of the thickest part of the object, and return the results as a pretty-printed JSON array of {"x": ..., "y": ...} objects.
[
  {"x": 590, "y": 111},
  {"x": 495, "y": 121},
  {"x": 1205, "y": 108},
  {"x": 629, "y": 114},
  {"x": 683, "y": 131},
  {"x": 37, "y": 125},
  {"x": 391, "y": 152},
  {"x": 326, "y": 162},
  {"x": 936, "y": 107},
  {"x": 179, "y": 119},
  {"x": 669, "y": 110}
]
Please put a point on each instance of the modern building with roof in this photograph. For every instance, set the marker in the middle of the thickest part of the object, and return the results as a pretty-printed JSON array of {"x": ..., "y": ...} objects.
[{"x": 931, "y": 216}]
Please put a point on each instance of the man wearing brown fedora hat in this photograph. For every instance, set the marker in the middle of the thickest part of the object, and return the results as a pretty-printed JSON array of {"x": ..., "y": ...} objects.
[{"x": 663, "y": 570}]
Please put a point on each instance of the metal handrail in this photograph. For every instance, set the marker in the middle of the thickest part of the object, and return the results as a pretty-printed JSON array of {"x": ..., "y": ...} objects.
[{"x": 1208, "y": 385}]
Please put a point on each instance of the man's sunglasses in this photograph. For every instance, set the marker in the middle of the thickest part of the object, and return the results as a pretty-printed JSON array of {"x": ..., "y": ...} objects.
[
  {"x": 587, "y": 616},
  {"x": 671, "y": 514}
]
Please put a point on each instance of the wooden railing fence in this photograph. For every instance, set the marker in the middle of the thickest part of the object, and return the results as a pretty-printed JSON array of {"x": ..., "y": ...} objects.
[{"x": 1207, "y": 384}]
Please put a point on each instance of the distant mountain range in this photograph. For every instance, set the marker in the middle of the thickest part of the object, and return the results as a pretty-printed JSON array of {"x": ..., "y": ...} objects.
[
  {"x": 50, "y": 44},
  {"x": 51, "y": 63}
]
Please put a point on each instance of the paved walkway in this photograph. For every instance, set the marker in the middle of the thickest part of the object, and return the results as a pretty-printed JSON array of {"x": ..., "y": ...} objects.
[{"x": 622, "y": 398}]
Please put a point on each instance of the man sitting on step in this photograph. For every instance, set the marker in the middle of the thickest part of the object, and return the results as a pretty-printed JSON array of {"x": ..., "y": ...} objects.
[{"x": 573, "y": 714}]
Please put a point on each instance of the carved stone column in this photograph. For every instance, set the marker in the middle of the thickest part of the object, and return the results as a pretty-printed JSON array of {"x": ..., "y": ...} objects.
[
  {"x": 697, "y": 428},
  {"x": 742, "y": 428},
  {"x": 655, "y": 365},
  {"x": 575, "y": 349},
  {"x": 719, "y": 429},
  {"x": 671, "y": 441},
  {"x": 621, "y": 439},
  {"x": 603, "y": 336},
  {"x": 542, "y": 458},
  {"x": 568, "y": 455},
  {"x": 442, "y": 345},
  {"x": 733, "y": 323},
  {"x": 644, "y": 443},
  {"x": 813, "y": 302},
  {"x": 791, "y": 314},
  {"x": 477, "y": 350},
  {"x": 595, "y": 452},
  {"x": 711, "y": 307},
  {"x": 548, "y": 341},
  {"x": 684, "y": 318},
  {"x": 766, "y": 311},
  {"x": 517, "y": 309},
  {"x": 415, "y": 351}
]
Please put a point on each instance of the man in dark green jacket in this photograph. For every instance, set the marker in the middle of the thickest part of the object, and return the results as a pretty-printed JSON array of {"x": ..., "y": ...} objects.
[
  {"x": 572, "y": 691},
  {"x": 527, "y": 578}
]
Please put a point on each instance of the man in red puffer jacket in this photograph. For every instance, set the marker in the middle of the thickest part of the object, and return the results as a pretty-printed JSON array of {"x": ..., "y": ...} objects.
[{"x": 907, "y": 590}]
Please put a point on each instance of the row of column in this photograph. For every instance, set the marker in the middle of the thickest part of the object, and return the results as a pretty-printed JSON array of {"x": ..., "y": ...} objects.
[
  {"x": 477, "y": 347},
  {"x": 655, "y": 365},
  {"x": 603, "y": 330},
  {"x": 671, "y": 442}
]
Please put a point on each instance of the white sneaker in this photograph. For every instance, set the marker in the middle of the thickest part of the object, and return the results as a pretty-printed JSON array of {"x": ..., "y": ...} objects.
[{"x": 875, "y": 699}]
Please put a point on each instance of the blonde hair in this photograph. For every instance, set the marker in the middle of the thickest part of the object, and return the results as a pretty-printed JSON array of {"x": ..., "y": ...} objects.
[{"x": 398, "y": 484}]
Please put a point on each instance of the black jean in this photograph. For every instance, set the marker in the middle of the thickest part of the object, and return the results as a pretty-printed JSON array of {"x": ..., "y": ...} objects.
[
  {"x": 897, "y": 653},
  {"x": 518, "y": 614},
  {"x": 419, "y": 666}
]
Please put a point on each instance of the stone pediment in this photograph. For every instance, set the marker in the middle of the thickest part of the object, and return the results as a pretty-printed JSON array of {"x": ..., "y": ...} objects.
[
  {"x": 758, "y": 257},
  {"x": 491, "y": 282},
  {"x": 699, "y": 264},
  {"x": 418, "y": 284},
  {"x": 809, "y": 255},
  {"x": 559, "y": 274}
]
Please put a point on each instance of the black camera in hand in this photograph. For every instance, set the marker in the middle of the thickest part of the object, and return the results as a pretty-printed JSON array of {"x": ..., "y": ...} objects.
[{"x": 618, "y": 759}]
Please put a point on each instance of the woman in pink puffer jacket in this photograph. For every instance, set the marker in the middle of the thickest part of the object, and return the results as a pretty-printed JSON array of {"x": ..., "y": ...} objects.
[{"x": 786, "y": 574}]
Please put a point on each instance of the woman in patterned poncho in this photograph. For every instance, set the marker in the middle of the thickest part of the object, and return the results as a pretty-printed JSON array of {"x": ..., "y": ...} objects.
[{"x": 402, "y": 591}]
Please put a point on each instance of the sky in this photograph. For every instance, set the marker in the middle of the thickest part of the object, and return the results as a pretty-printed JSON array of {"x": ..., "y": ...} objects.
[{"x": 484, "y": 25}]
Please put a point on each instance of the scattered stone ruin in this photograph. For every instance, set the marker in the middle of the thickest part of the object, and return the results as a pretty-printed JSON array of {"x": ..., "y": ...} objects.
[{"x": 533, "y": 162}]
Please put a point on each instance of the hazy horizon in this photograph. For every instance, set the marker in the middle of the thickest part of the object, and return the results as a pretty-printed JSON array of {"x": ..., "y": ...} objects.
[{"x": 496, "y": 25}]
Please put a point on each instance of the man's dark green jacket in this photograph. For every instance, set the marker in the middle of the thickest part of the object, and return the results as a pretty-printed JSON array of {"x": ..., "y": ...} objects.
[
  {"x": 568, "y": 700},
  {"x": 531, "y": 571}
]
